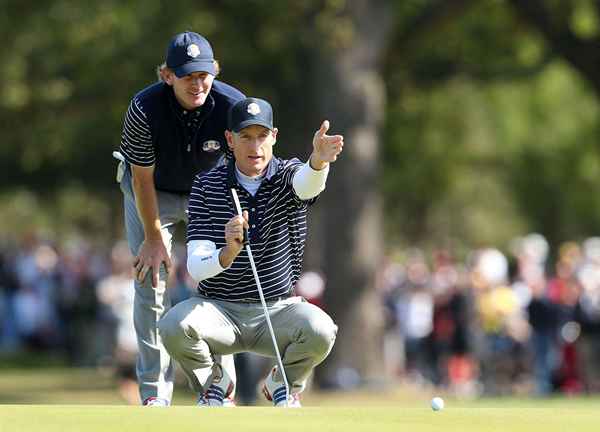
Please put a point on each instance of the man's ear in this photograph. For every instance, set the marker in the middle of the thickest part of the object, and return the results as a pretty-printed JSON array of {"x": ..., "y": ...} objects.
[
  {"x": 167, "y": 76},
  {"x": 229, "y": 138},
  {"x": 274, "y": 132}
]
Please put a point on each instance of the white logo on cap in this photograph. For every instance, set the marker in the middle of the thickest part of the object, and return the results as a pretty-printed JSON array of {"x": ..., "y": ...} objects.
[
  {"x": 211, "y": 146},
  {"x": 193, "y": 50},
  {"x": 253, "y": 108}
]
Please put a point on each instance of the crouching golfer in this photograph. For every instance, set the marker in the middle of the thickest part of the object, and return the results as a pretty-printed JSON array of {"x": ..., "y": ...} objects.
[{"x": 226, "y": 315}]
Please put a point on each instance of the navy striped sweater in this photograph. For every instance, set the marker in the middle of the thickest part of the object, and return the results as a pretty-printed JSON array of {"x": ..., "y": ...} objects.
[{"x": 277, "y": 234}]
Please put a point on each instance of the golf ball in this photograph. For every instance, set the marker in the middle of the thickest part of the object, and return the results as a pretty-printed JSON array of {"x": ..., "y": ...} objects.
[{"x": 437, "y": 404}]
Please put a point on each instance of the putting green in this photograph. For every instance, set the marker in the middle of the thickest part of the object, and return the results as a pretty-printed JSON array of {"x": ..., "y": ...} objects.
[{"x": 50, "y": 418}]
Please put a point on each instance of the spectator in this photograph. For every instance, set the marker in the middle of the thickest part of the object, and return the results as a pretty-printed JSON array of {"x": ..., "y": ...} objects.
[{"x": 116, "y": 297}]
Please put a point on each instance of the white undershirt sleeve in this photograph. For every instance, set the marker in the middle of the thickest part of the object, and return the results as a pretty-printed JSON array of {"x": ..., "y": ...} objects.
[
  {"x": 203, "y": 260},
  {"x": 308, "y": 182}
]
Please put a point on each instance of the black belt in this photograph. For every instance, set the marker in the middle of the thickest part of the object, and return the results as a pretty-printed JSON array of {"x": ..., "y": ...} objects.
[
  {"x": 270, "y": 299},
  {"x": 290, "y": 293}
]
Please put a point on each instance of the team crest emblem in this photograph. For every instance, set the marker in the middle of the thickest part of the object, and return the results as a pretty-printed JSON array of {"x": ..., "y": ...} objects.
[
  {"x": 193, "y": 51},
  {"x": 253, "y": 108},
  {"x": 211, "y": 146}
]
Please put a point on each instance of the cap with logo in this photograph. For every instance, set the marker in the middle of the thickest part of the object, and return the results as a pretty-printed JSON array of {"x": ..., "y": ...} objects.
[
  {"x": 248, "y": 112},
  {"x": 189, "y": 52}
]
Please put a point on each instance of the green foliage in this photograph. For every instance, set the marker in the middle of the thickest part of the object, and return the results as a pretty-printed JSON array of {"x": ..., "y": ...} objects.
[
  {"x": 584, "y": 20},
  {"x": 555, "y": 167},
  {"x": 485, "y": 138},
  {"x": 73, "y": 67},
  {"x": 487, "y": 133},
  {"x": 485, "y": 42},
  {"x": 65, "y": 213},
  {"x": 444, "y": 168}
]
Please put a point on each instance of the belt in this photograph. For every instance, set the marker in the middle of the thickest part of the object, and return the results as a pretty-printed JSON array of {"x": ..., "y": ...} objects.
[
  {"x": 285, "y": 296},
  {"x": 268, "y": 300}
]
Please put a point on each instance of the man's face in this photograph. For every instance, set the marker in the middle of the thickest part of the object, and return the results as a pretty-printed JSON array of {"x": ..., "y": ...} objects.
[
  {"x": 191, "y": 90},
  {"x": 252, "y": 148}
]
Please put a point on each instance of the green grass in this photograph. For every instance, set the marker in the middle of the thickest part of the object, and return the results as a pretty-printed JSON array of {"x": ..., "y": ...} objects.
[
  {"x": 59, "y": 399},
  {"x": 50, "y": 418}
]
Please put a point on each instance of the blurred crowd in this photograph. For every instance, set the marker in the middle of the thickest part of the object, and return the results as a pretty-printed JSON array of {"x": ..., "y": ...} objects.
[
  {"x": 524, "y": 322},
  {"x": 75, "y": 301},
  {"x": 74, "y": 298},
  {"x": 497, "y": 324}
]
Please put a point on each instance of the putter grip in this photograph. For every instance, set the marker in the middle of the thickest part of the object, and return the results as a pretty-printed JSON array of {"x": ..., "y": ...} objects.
[{"x": 238, "y": 208}]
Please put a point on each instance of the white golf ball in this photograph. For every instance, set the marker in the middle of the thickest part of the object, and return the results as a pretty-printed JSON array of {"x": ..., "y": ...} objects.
[{"x": 437, "y": 404}]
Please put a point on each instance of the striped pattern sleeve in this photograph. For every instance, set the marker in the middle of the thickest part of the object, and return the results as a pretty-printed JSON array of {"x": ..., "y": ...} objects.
[
  {"x": 201, "y": 224},
  {"x": 136, "y": 139}
]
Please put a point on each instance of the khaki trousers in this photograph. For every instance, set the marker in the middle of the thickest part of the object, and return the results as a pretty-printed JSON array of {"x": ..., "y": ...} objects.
[{"x": 198, "y": 329}]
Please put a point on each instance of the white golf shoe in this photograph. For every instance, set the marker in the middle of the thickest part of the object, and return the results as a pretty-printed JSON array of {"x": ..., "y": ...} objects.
[
  {"x": 211, "y": 401},
  {"x": 275, "y": 392},
  {"x": 156, "y": 402},
  {"x": 220, "y": 392}
]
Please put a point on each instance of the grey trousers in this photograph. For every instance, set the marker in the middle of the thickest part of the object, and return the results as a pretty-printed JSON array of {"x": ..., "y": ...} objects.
[
  {"x": 197, "y": 329},
  {"x": 154, "y": 367}
]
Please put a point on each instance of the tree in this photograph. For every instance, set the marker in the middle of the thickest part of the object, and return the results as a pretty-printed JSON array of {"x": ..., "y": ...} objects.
[
  {"x": 447, "y": 93},
  {"x": 351, "y": 40},
  {"x": 556, "y": 23}
]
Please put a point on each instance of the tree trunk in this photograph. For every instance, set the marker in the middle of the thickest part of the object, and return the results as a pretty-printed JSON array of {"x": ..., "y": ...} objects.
[{"x": 351, "y": 95}]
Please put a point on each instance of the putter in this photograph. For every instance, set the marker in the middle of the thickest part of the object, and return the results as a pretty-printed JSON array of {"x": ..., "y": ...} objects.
[{"x": 238, "y": 207}]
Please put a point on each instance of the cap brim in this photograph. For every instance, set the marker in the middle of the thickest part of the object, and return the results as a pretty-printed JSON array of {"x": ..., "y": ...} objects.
[
  {"x": 207, "y": 66},
  {"x": 251, "y": 122}
]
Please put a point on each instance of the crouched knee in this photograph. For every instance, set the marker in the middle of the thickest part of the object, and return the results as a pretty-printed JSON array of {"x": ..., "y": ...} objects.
[
  {"x": 321, "y": 333},
  {"x": 172, "y": 333}
]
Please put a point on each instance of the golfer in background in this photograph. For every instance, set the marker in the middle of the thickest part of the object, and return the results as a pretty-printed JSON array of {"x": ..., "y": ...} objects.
[
  {"x": 173, "y": 130},
  {"x": 226, "y": 315}
]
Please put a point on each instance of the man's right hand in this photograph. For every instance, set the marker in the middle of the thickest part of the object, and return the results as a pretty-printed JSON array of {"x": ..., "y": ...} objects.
[
  {"x": 234, "y": 239},
  {"x": 151, "y": 255}
]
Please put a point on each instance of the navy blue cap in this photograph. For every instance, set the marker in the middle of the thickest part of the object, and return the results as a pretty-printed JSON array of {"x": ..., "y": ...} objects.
[
  {"x": 248, "y": 112},
  {"x": 189, "y": 52}
]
